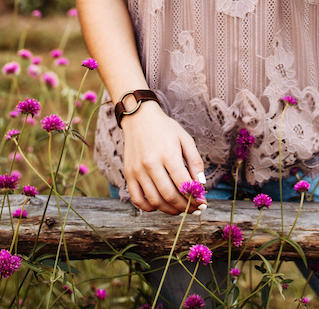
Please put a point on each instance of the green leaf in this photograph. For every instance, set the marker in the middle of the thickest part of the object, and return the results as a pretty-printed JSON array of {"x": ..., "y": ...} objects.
[
  {"x": 63, "y": 266},
  {"x": 269, "y": 231},
  {"x": 279, "y": 286},
  {"x": 31, "y": 266},
  {"x": 128, "y": 247},
  {"x": 137, "y": 258},
  {"x": 261, "y": 268},
  {"x": 253, "y": 304},
  {"x": 267, "y": 264},
  {"x": 44, "y": 257},
  {"x": 107, "y": 252},
  {"x": 298, "y": 249},
  {"x": 265, "y": 294},
  {"x": 264, "y": 246},
  {"x": 220, "y": 307},
  {"x": 235, "y": 293},
  {"x": 77, "y": 134},
  {"x": 69, "y": 285},
  {"x": 40, "y": 246}
]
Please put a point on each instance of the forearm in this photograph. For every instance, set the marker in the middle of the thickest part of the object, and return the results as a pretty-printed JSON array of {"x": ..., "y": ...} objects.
[{"x": 109, "y": 35}]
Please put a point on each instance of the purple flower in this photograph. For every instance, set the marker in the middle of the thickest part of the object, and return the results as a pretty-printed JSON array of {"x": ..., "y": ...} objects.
[
  {"x": 294, "y": 170},
  {"x": 101, "y": 294},
  {"x": 36, "y": 13},
  {"x": 11, "y": 68},
  {"x": 194, "y": 301},
  {"x": 34, "y": 70},
  {"x": 16, "y": 173},
  {"x": 83, "y": 169},
  {"x": 76, "y": 120},
  {"x": 30, "y": 191},
  {"x": 30, "y": 120},
  {"x": 235, "y": 272},
  {"x": 17, "y": 213},
  {"x": 36, "y": 60},
  {"x": 67, "y": 289},
  {"x": 244, "y": 138},
  {"x": 50, "y": 79},
  {"x": 53, "y": 122},
  {"x": 241, "y": 153},
  {"x": 12, "y": 134},
  {"x": 25, "y": 53},
  {"x": 289, "y": 100},
  {"x": 56, "y": 53},
  {"x": 236, "y": 234},
  {"x": 303, "y": 300},
  {"x": 200, "y": 253},
  {"x": 262, "y": 200},
  {"x": 18, "y": 157},
  {"x": 8, "y": 263},
  {"x": 90, "y": 96},
  {"x": 61, "y": 61},
  {"x": 302, "y": 186},
  {"x": 193, "y": 189},
  {"x": 90, "y": 63},
  {"x": 284, "y": 286},
  {"x": 8, "y": 182},
  {"x": 29, "y": 106},
  {"x": 72, "y": 12},
  {"x": 14, "y": 114}
]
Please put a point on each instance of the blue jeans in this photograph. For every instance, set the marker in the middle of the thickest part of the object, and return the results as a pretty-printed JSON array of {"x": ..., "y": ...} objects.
[{"x": 177, "y": 279}]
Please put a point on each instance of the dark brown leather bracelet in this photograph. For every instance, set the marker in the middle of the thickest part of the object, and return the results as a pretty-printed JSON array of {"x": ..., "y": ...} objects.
[{"x": 140, "y": 97}]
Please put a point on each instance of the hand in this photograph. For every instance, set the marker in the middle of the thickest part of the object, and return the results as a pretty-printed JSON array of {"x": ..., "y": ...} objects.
[{"x": 155, "y": 147}]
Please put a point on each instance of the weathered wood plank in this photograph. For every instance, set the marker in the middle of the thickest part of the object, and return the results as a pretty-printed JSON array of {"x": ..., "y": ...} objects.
[{"x": 154, "y": 232}]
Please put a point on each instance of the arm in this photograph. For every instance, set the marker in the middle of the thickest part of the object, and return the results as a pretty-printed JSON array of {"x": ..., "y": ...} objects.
[{"x": 155, "y": 144}]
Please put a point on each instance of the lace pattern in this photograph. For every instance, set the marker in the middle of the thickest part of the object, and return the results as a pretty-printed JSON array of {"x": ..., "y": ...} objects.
[{"x": 215, "y": 83}]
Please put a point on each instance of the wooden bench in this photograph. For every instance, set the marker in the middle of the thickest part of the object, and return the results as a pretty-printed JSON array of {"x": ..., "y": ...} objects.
[{"x": 121, "y": 225}]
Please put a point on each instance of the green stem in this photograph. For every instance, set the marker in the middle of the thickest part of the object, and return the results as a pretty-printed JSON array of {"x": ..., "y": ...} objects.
[
  {"x": 299, "y": 210},
  {"x": 190, "y": 285},
  {"x": 66, "y": 34},
  {"x": 305, "y": 286},
  {"x": 171, "y": 254}
]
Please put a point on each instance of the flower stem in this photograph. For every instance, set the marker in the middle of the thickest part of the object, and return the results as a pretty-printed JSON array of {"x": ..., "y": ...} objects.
[
  {"x": 299, "y": 210},
  {"x": 171, "y": 254}
]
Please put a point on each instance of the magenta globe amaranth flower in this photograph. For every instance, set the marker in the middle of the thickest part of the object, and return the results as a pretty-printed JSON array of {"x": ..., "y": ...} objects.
[
  {"x": 25, "y": 53},
  {"x": 241, "y": 153},
  {"x": 90, "y": 63},
  {"x": 11, "y": 68},
  {"x": 90, "y": 96},
  {"x": 69, "y": 291},
  {"x": 61, "y": 61},
  {"x": 36, "y": 60},
  {"x": 302, "y": 186},
  {"x": 53, "y": 122},
  {"x": 31, "y": 121},
  {"x": 284, "y": 286},
  {"x": 83, "y": 169},
  {"x": 36, "y": 13},
  {"x": 236, "y": 234},
  {"x": 16, "y": 173},
  {"x": 12, "y": 134},
  {"x": 262, "y": 200},
  {"x": 101, "y": 294},
  {"x": 200, "y": 253},
  {"x": 245, "y": 139},
  {"x": 29, "y": 106},
  {"x": 34, "y": 70},
  {"x": 50, "y": 79},
  {"x": 72, "y": 12},
  {"x": 56, "y": 53},
  {"x": 193, "y": 189},
  {"x": 30, "y": 191},
  {"x": 17, "y": 158},
  {"x": 235, "y": 272},
  {"x": 289, "y": 100},
  {"x": 8, "y": 182},
  {"x": 303, "y": 300},
  {"x": 17, "y": 213},
  {"x": 194, "y": 301},
  {"x": 14, "y": 114},
  {"x": 8, "y": 263}
]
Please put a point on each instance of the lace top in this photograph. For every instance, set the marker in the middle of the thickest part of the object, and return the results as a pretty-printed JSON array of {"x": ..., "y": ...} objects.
[{"x": 221, "y": 65}]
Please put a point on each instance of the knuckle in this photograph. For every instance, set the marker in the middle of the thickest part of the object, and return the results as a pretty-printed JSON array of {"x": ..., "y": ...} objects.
[
  {"x": 149, "y": 162},
  {"x": 154, "y": 202},
  {"x": 170, "y": 197},
  {"x": 198, "y": 162}
]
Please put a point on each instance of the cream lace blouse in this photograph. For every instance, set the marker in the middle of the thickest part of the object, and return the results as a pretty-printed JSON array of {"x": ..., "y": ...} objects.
[{"x": 221, "y": 65}]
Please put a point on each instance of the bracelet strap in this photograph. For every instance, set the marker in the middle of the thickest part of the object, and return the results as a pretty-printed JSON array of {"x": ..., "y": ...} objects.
[{"x": 140, "y": 97}]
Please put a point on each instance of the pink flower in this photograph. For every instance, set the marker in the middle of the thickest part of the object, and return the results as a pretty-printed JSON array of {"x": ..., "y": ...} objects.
[
  {"x": 303, "y": 300},
  {"x": 90, "y": 63},
  {"x": 11, "y": 68},
  {"x": 76, "y": 120},
  {"x": 72, "y": 12},
  {"x": 90, "y": 96},
  {"x": 12, "y": 134},
  {"x": 36, "y": 13},
  {"x": 262, "y": 200},
  {"x": 17, "y": 213},
  {"x": 18, "y": 157},
  {"x": 78, "y": 104},
  {"x": 56, "y": 53},
  {"x": 236, "y": 234},
  {"x": 8, "y": 183},
  {"x": 61, "y": 61},
  {"x": 101, "y": 294},
  {"x": 8, "y": 263},
  {"x": 34, "y": 70},
  {"x": 289, "y": 100},
  {"x": 284, "y": 286},
  {"x": 83, "y": 169},
  {"x": 50, "y": 79},
  {"x": 235, "y": 272},
  {"x": 244, "y": 138},
  {"x": 194, "y": 302},
  {"x": 193, "y": 189},
  {"x": 16, "y": 173},
  {"x": 36, "y": 60},
  {"x": 67, "y": 289},
  {"x": 30, "y": 191},
  {"x": 14, "y": 114},
  {"x": 302, "y": 186},
  {"x": 31, "y": 121},
  {"x": 241, "y": 153},
  {"x": 29, "y": 106},
  {"x": 25, "y": 53},
  {"x": 53, "y": 122},
  {"x": 200, "y": 253}
]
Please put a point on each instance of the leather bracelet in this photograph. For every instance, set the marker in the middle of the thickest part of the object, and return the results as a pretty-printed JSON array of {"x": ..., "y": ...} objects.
[{"x": 140, "y": 97}]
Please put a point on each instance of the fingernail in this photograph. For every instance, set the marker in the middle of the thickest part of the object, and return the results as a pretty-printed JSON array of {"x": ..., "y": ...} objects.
[
  {"x": 197, "y": 213},
  {"x": 201, "y": 177},
  {"x": 202, "y": 206}
]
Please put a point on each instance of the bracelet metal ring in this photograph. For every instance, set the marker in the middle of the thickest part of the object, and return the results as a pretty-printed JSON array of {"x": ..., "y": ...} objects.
[{"x": 135, "y": 108}]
